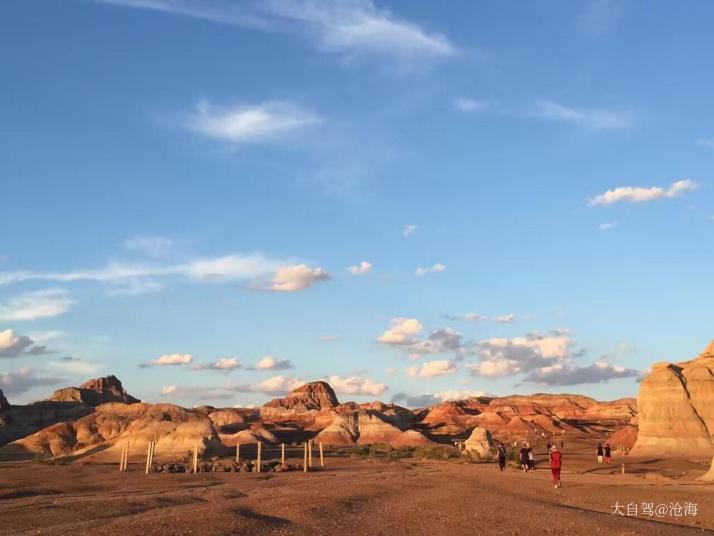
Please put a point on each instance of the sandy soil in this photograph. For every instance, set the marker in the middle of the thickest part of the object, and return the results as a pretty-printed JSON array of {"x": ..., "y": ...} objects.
[{"x": 353, "y": 496}]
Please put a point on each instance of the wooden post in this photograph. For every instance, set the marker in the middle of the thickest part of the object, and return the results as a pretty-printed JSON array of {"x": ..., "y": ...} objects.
[
  {"x": 195, "y": 458},
  {"x": 153, "y": 449},
  {"x": 121, "y": 460},
  {"x": 309, "y": 452},
  {"x": 126, "y": 456},
  {"x": 260, "y": 445},
  {"x": 622, "y": 468},
  {"x": 148, "y": 457},
  {"x": 304, "y": 450},
  {"x": 322, "y": 460},
  {"x": 237, "y": 452},
  {"x": 282, "y": 453}
]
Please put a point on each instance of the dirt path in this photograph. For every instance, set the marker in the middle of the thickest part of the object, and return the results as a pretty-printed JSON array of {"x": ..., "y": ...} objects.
[{"x": 351, "y": 497}]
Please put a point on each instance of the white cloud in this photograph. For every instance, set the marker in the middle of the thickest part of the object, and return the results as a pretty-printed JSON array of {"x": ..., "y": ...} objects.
[
  {"x": 169, "y": 360},
  {"x": 593, "y": 119},
  {"x": 356, "y": 385},
  {"x": 12, "y": 345},
  {"x": 36, "y": 304},
  {"x": 224, "y": 364},
  {"x": 168, "y": 389},
  {"x": 229, "y": 268},
  {"x": 402, "y": 331},
  {"x": 152, "y": 245},
  {"x": 350, "y": 28},
  {"x": 607, "y": 226},
  {"x": 436, "y": 268},
  {"x": 470, "y": 317},
  {"x": 562, "y": 374},
  {"x": 431, "y": 369},
  {"x": 271, "y": 363},
  {"x": 706, "y": 142},
  {"x": 506, "y": 319},
  {"x": 257, "y": 123},
  {"x": 275, "y": 385},
  {"x": 439, "y": 341},
  {"x": 464, "y": 104},
  {"x": 329, "y": 338},
  {"x": 24, "y": 379},
  {"x": 409, "y": 229},
  {"x": 362, "y": 268},
  {"x": 504, "y": 357},
  {"x": 296, "y": 278},
  {"x": 634, "y": 194},
  {"x": 197, "y": 393}
]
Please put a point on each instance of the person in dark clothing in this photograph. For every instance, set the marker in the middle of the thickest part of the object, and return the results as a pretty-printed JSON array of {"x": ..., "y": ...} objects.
[
  {"x": 599, "y": 451},
  {"x": 524, "y": 456},
  {"x": 608, "y": 453},
  {"x": 531, "y": 459},
  {"x": 502, "y": 457}
]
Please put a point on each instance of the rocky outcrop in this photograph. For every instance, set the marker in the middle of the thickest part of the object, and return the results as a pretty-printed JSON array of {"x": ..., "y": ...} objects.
[
  {"x": 676, "y": 408},
  {"x": 374, "y": 429},
  {"x": 342, "y": 431},
  {"x": 95, "y": 392},
  {"x": 311, "y": 397},
  {"x": 113, "y": 425},
  {"x": 4, "y": 404},
  {"x": 480, "y": 444}
]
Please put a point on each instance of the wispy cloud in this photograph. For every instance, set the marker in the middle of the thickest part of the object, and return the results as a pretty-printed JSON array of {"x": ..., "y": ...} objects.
[
  {"x": 465, "y": 104},
  {"x": 77, "y": 366},
  {"x": 562, "y": 374},
  {"x": 436, "y": 268},
  {"x": 271, "y": 363},
  {"x": 409, "y": 229},
  {"x": 169, "y": 360},
  {"x": 506, "y": 319},
  {"x": 352, "y": 29},
  {"x": 638, "y": 194},
  {"x": 706, "y": 142},
  {"x": 136, "y": 278},
  {"x": 257, "y": 123},
  {"x": 36, "y": 304},
  {"x": 607, "y": 226},
  {"x": 596, "y": 119},
  {"x": 152, "y": 245},
  {"x": 363, "y": 268}
]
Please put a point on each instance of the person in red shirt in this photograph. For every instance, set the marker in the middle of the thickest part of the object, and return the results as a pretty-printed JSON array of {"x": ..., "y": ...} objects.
[{"x": 556, "y": 460}]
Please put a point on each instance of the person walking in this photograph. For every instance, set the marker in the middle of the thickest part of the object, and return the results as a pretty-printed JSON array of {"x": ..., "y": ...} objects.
[
  {"x": 556, "y": 461},
  {"x": 599, "y": 451},
  {"x": 524, "y": 456},
  {"x": 531, "y": 459},
  {"x": 502, "y": 457},
  {"x": 608, "y": 453}
]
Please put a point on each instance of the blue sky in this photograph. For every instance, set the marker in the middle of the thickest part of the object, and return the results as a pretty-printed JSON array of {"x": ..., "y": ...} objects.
[{"x": 218, "y": 200}]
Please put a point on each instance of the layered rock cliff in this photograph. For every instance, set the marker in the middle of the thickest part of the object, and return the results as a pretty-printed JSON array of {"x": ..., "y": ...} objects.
[{"x": 676, "y": 408}]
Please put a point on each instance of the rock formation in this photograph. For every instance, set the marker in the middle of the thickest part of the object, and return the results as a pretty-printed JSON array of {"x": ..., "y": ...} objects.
[
  {"x": 95, "y": 392},
  {"x": 313, "y": 396},
  {"x": 676, "y": 408},
  {"x": 480, "y": 444},
  {"x": 4, "y": 404}
]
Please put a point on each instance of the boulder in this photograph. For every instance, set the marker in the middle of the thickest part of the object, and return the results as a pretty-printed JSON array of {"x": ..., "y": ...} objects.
[
  {"x": 676, "y": 408},
  {"x": 480, "y": 443}
]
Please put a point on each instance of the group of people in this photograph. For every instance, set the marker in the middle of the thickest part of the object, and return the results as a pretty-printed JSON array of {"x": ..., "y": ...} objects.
[
  {"x": 527, "y": 460},
  {"x": 555, "y": 458},
  {"x": 603, "y": 452}
]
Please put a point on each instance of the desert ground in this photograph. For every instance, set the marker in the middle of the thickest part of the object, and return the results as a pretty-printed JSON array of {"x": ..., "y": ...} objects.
[{"x": 357, "y": 495}]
